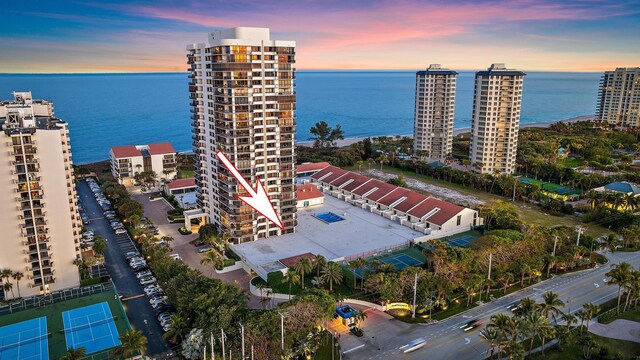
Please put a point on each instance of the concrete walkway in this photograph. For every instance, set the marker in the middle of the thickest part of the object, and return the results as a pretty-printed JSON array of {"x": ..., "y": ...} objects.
[{"x": 619, "y": 329}]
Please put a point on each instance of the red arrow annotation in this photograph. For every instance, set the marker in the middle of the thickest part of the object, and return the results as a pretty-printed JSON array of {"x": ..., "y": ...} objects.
[{"x": 258, "y": 198}]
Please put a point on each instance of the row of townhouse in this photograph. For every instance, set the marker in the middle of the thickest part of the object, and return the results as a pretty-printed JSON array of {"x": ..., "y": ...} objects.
[{"x": 429, "y": 215}]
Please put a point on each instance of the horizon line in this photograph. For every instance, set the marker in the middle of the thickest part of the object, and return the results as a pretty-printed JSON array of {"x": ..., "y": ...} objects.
[{"x": 301, "y": 70}]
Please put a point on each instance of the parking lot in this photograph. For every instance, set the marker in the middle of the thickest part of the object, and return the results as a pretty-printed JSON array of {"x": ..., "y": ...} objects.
[
  {"x": 139, "y": 311},
  {"x": 156, "y": 211}
]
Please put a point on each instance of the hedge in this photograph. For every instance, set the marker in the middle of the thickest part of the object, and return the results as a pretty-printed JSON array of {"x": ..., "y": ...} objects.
[{"x": 274, "y": 278}]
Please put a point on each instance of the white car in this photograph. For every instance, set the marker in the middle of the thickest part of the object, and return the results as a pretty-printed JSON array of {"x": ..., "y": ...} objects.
[
  {"x": 147, "y": 281},
  {"x": 205, "y": 249},
  {"x": 121, "y": 231},
  {"x": 152, "y": 289},
  {"x": 413, "y": 345},
  {"x": 142, "y": 274},
  {"x": 175, "y": 256}
]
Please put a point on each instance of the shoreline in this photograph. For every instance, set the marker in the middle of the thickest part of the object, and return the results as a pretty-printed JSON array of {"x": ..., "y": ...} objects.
[{"x": 456, "y": 132}]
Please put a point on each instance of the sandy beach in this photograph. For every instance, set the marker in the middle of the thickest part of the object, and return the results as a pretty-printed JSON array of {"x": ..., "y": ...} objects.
[{"x": 544, "y": 124}]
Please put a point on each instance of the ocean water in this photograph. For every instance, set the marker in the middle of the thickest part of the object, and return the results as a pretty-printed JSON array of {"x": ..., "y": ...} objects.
[{"x": 104, "y": 110}]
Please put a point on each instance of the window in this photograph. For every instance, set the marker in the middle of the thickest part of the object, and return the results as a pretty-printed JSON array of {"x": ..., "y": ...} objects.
[{"x": 459, "y": 220}]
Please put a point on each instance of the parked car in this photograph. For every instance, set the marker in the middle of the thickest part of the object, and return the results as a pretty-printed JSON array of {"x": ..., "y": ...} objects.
[
  {"x": 121, "y": 231},
  {"x": 205, "y": 249},
  {"x": 198, "y": 243},
  {"x": 159, "y": 303},
  {"x": 164, "y": 308},
  {"x": 175, "y": 256},
  {"x": 142, "y": 274},
  {"x": 131, "y": 254},
  {"x": 151, "y": 289},
  {"x": 148, "y": 280}
]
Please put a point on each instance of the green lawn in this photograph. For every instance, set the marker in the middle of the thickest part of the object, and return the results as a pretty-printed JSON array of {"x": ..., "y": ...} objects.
[
  {"x": 529, "y": 213},
  {"x": 571, "y": 162},
  {"x": 342, "y": 290},
  {"x": 185, "y": 173},
  {"x": 55, "y": 324},
  {"x": 325, "y": 350}
]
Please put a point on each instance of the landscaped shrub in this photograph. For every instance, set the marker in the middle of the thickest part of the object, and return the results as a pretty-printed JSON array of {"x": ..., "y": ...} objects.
[
  {"x": 231, "y": 255},
  {"x": 274, "y": 279},
  {"x": 356, "y": 331},
  {"x": 183, "y": 230},
  {"x": 90, "y": 281},
  {"x": 175, "y": 212}
]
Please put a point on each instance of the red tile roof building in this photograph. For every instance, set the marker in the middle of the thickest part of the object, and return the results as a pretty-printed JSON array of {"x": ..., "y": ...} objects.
[
  {"x": 308, "y": 195},
  {"x": 420, "y": 212},
  {"x": 128, "y": 160}
]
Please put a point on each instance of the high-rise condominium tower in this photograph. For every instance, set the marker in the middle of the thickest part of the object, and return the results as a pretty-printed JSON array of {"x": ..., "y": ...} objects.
[
  {"x": 434, "y": 111},
  {"x": 40, "y": 224},
  {"x": 619, "y": 98},
  {"x": 243, "y": 103},
  {"x": 496, "y": 119}
]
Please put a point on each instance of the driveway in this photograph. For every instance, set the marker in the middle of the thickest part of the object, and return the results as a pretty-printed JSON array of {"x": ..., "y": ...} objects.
[
  {"x": 156, "y": 211},
  {"x": 137, "y": 309}
]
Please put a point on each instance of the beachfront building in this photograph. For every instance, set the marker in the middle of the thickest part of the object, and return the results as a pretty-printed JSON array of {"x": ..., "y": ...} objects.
[
  {"x": 308, "y": 195},
  {"x": 40, "y": 221},
  {"x": 129, "y": 160},
  {"x": 433, "y": 114},
  {"x": 243, "y": 104},
  {"x": 619, "y": 98},
  {"x": 184, "y": 191},
  {"x": 496, "y": 119}
]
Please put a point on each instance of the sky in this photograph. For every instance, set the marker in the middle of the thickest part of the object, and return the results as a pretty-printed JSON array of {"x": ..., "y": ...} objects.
[{"x": 52, "y": 36}]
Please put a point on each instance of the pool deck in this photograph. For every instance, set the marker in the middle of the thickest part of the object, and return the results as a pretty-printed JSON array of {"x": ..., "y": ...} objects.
[{"x": 359, "y": 232}]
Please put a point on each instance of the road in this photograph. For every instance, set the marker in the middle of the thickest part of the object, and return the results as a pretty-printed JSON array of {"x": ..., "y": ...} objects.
[
  {"x": 445, "y": 340},
  {"x": 138, "y": 309}
]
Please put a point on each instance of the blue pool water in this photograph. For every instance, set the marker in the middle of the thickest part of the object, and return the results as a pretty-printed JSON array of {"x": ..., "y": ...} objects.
[{"x": 329, "y": 217}]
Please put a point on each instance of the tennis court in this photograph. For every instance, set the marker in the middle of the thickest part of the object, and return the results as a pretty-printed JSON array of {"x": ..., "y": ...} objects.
[
  {"x": 401, "y": 261},
  {"x": 461, "y": 241},
  {"x": 91, "y": 327},
  {"x": 27, "y": 340}
]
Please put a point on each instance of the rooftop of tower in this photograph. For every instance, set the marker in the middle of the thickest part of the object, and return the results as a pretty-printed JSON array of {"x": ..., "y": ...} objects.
[
  {"x": 436, "y": 69},
  {"x": 499, "y": 69}
]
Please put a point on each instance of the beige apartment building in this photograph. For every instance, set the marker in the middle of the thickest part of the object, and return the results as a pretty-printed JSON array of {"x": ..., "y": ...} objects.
[
  {"x": 40, "y": 224},
  {"x": 496, "y": 119},
  {"x": 619, "y": 98},
  {"x": 243, "y": 103},
  {"x": 434, "y": 113},
  {"x": 129, "y": 160}
]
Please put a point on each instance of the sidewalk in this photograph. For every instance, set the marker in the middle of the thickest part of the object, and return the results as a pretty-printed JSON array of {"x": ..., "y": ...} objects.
[{"x": 618, "y": 329}]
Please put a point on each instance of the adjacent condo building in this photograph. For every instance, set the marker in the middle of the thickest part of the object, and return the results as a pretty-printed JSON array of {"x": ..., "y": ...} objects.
[
  {"x": 40, "y": 224},
  {"x": 434, "y": 112},
  {"x": 619, "y": 98},
  {"x": 496, "y": 119},
  {"x": 243, "y": 103},
  {"x": 129, "y": 160}
]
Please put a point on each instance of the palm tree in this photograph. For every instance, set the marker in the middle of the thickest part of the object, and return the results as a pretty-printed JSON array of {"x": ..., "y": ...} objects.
[
  {"x": 569, "y": 319},
  {"x": 534, "y": 322},
  {"x": 359, "y": 317},
  {"x": 332, "y": 272},
  {"x": 620, "y": 275},
  {"x": 17, "y": 276},
  {"x": 303, "y": 266},
  {"x": 359, "y": 164},
  {"x": 291, "y": 278},
  {"x": 353, "y": 265},
  {"x": 212, "y": 258},
  {"x": 491, "y": 336},
  {"x": 383, "y": 159},
  {"x": 319, "y": 261},
  {"x": 74, "y": 354},
  {"x": 611, "y": 242},
  {"x": 8, "y": 287},
  {"x": 527, "y": 305},
  {"x": 582, "y": 315},
  {"x": 133, "y": 343},
  {"x": 223, "y": 241},
  {"x": 177, "y": 329},
  {"x": 547, "y": 331},
  {"x": 551, "y": 305},
  {"x": 591, "y": 311}
]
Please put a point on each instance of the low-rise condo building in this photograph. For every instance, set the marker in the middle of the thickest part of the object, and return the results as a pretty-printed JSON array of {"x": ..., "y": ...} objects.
[
  {"x": 129, "y": 160},
  {"x": 619, "y": 98},
  {"x": 41, "y": 226},
  {"x": 434, "y": 113}
]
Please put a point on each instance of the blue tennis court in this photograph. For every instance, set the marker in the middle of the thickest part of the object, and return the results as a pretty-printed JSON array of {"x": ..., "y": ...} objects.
[
  {"x": 401, "y": 261},
  {"x": 461, "y": 241},
  {"x": 25, "y": 340},
  {"x": 329, "y": 217},
  {"x": 91, "y": 327}
]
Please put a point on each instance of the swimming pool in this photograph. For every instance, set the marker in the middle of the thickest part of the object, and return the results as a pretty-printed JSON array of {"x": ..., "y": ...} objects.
[{"x": 329, "y": 217}]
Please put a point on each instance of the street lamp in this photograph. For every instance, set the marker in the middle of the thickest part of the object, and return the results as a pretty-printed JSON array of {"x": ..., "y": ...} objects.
[
  {"x": 242, "y": 332},
  {"x": 281, "y": 330}
]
